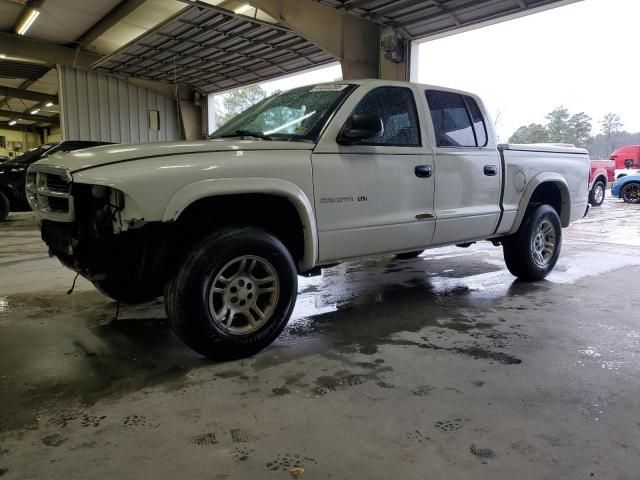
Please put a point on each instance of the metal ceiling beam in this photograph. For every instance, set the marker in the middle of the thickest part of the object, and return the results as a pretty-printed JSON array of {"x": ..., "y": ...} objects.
[
  {"x": 27, "y": 116},
  {"x": 24, "y": 47},
  {"x": 28, "y": 95},
  {"x": 353, "y": 40},
  {"x": 117, "y": 14},
  {"x": 22, "y": 128}
]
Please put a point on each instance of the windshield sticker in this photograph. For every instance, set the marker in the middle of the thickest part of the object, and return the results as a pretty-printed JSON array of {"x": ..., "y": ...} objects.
[{"x": 328, "y": 88}]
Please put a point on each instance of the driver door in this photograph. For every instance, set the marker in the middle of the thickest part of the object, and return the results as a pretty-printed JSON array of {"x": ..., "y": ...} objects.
[{"x": 375, "y": 196}]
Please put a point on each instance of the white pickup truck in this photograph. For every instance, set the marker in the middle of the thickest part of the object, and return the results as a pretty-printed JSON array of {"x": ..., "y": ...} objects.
[{"x": 304, "y": 179}]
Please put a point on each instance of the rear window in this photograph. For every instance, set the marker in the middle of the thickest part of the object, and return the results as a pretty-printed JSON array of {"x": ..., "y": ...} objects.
[{"x": 457, "y": 120}]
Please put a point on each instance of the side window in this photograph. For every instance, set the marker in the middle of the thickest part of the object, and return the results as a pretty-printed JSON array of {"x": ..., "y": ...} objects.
[
  {"x": 452, "y": 120},
  {"x": 397, "y": 108},
  {"x": 479, "y": 127}
]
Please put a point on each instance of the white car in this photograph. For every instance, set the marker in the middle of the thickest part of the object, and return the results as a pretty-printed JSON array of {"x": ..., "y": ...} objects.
[
  {"x": 625, "y": 172},
  {"x": 304, "y": 179}
]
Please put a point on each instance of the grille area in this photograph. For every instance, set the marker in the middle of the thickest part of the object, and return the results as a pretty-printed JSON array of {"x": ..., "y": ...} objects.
[
  {"x": 56, "y": 183},
  {"x": 57, "y": 204},
  {"x": 49, "y": 193}
]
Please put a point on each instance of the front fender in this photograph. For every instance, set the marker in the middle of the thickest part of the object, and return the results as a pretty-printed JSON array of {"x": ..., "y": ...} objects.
[
  {"x": 534, "y": 183},
  {"x": 238, "y": 186}
]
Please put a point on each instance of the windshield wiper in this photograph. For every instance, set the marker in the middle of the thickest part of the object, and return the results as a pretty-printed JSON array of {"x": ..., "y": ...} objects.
[{"x": 246, "y": 133}]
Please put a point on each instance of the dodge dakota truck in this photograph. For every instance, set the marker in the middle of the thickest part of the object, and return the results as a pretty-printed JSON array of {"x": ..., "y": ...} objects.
[{"x": 305, "y": 179}]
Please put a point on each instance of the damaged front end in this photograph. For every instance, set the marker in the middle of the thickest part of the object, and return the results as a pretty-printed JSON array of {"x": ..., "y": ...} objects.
[{"x": 83, "y": 227}]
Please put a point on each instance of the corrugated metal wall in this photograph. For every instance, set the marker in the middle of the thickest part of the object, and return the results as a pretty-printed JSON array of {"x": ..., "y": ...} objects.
[{"x": 101, "y": 107}]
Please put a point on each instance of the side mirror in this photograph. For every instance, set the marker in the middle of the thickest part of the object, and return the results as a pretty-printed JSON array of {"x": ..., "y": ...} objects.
[
  {"x": 628, "y": 163},
  {"x": 360, "y": 126}
]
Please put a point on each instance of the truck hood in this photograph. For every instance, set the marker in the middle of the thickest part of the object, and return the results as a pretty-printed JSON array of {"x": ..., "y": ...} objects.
[{"x": 109, "y": 154}]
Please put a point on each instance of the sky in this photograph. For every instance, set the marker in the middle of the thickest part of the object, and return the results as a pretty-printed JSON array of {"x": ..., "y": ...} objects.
[{"x": 584, "y": 56}]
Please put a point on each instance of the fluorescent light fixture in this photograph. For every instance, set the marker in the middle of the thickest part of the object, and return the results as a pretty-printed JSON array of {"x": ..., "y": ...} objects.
[
  {"x": 28, "y": 21},
  {"x": 34, "y": 111},
  {"x": 49, "y": 104},
  {"x": 242, "y": 8},
  {"x": 2, "y": 56},
  {"x": 12, "y": 122}
]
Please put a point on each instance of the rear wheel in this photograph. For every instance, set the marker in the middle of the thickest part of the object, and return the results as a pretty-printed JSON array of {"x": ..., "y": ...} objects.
[
  {"x": 631, "y": 192},
  {"x": 597, "y": 193},
  {"x": 408, "y": 255},
  {"x": 532, "y": 253},
  {"x": 4, "y": 206},
  {"x": 234, "y": 293}
]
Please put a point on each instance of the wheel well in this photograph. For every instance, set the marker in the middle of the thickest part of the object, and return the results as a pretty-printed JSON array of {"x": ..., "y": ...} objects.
[
  {"x": 275, "y": 214},
  {"x": 547, "y": 193},
  {"x": 603, "y": 178}
]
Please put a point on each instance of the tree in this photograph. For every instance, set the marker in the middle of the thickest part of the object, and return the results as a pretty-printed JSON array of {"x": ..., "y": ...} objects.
[
  {"x": 239, "y": 100},
  {"x": 579, "y": 129},
  {"x": 533, "y": 133},
  {"x": 610, "y": 126},
  {"x": 558, "y": 125}
]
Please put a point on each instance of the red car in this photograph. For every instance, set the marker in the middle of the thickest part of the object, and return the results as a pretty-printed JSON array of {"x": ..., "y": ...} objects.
[{"x": 602, "y": 173}]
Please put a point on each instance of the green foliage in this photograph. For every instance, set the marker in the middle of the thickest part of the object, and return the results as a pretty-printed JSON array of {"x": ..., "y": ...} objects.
[
  {"x": 579, "y": 129},
  {"x": 561, "y": 127},
  {"x": 533, "y": 133},
  {"x": 239, "y": 100},
  {"x": 610, "y": 124},
  {"x": 558, "y": 125}
]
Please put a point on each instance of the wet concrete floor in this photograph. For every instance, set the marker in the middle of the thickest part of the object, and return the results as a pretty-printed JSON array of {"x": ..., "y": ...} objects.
[{"x": 442, "y": 367}]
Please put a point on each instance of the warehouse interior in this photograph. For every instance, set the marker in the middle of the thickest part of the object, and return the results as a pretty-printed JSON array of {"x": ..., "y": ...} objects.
[{"x": 442, "y": 366}]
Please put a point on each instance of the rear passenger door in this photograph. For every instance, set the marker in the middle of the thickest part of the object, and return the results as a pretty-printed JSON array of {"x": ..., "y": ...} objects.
[{"x": 468, "y": 174}]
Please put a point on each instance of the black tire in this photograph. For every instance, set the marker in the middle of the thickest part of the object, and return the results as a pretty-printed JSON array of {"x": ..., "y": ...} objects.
[
  {"x": 630, "y": 193},
  {"x": 4, "y": 207},
  {"x": 188, "y": 293},
  {"x": 121, "y": 290},
  {"x": 519, "y": 249},
  {"x": 408, "y": 255},
  {"x": 597, "y": 194}
]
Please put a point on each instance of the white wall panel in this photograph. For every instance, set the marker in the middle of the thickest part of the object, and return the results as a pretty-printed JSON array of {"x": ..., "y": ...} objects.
[{"x": 101, "y": 107}]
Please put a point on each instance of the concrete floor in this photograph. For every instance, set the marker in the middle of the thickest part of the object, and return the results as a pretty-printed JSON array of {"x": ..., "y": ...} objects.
[{"x": 442, "y": 367}]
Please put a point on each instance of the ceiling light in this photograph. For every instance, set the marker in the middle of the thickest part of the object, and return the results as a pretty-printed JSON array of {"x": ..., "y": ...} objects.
[
  {"x": 49, "y": 104},
  {"x": 2, "y": 56},
  {"x": 28, "y": 21},
  {"x": 12, "y": 122},
  {"x": 242, "y": 8},
  {"x": 34, "y": 111}
]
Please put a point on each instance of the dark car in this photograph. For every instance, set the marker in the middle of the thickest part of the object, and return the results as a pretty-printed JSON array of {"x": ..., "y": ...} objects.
[{"x": 13, "y": 173}]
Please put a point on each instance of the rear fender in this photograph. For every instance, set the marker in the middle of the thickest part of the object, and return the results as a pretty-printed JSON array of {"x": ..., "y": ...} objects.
[{"x": 540, "y": 179}]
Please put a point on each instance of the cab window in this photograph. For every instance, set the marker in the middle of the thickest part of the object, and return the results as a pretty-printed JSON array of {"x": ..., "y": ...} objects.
[
  {"x": 457, "y": 120},
  {"x": 396, "y": 107}
]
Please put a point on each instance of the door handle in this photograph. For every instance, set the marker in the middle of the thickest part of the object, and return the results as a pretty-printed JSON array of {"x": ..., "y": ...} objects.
[
  {"x": 490, "y": 170},
  {"x": 423, "y": 171}
]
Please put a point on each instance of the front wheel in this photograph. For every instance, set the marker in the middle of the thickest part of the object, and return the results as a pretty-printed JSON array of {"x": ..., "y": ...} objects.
[
  {"x": 532, "y": 252},
  {"x": 234, "y": 293},
  {"x": 631, "y": 192},
  {"x": 597, "y": 193}
]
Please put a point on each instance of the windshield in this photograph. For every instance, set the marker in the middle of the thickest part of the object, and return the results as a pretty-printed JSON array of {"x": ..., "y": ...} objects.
[
  {"x": 32, "y": 155},
  {"x": 297, "y": 114}
]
